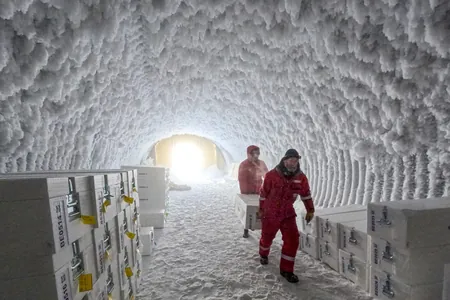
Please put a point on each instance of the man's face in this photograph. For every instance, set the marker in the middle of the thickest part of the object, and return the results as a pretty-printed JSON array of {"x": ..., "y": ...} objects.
[
  {"x": 291, "y": 164},
  {"x": 254, "y": 155}
]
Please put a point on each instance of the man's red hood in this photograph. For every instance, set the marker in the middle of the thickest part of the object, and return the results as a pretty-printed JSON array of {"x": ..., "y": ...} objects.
[{"x": 252, "y": 148}]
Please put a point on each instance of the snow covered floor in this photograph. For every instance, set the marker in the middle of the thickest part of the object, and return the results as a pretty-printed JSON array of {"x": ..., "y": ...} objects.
[{"x": 201, "y": 255}]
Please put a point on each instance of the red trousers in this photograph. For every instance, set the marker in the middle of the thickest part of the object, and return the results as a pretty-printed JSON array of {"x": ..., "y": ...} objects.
[{"x": 290, "y": 235}]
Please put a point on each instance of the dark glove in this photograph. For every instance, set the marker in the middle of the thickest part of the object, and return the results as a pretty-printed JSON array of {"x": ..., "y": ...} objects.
[
  {"x": 309, "y": 216},
  {"x": 259, "y": 214}
]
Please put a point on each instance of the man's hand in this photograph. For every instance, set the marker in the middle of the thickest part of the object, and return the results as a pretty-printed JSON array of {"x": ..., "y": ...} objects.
[
  {"x": 309, "y": 216},
  {"x": 259, "y": 214}
]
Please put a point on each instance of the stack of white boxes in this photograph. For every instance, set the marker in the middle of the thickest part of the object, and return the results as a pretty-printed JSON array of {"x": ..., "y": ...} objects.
[
  {"x": 310, "y": 233},
  {"x": 337, "y": 236},
  {"x": 410, "y": 244},
  {"x": 69, "y": 235},
  {"x": 154, "y": 187}
]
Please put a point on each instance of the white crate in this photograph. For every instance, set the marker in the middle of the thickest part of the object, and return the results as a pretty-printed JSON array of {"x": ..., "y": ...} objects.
[
  {"x": 328, "y": 225},
  {"x": 129, "y": 291},
  {"x": 411, "y": 224},
  {"x": 246, "y": 208},
  {"x": 446, "y": 289},
  {"x": 20, "y": 265},
  {"x": 354, "y": 239},
  {"x": 60, "y": 286},
  {"x": 385, "y": 286},
  {"x": 312, "y": 227},
  {"x": 309, "y": 244},
  {"x": 329, "y": 254},
  {"x": 354, "y": 269},
  {"x": 120, "y": 230},
  {"x": 148, "y": 240},
  {"x": 113, "y": 279},
  {"x": 138, "y": 273},
  {"x": 121, "y": 270},
  {"x": 411, "y": 266},
  {"x": 46, "y": 221},
  {"x": 154, "y": 219},
  {"x": 99, "y": 290}
]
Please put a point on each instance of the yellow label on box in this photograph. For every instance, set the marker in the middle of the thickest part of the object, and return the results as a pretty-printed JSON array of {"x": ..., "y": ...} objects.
[
  {"x": 110, "y": 297},
  {"x": 107, "y": 255},
  {"x": 130, "y": 235},
  {"x": 128, "y": 200},
  {"x": 89, "y": 220},
  {"x": 132, "y": 297},
  {"x": 106, "y": 204},
  {"x": 85, "y": 282},
  {"x": 128, "y": 271}
]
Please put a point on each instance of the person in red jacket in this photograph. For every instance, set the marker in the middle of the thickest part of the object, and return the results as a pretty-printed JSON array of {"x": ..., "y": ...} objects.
[
  {"x": 280, "y": 189},
  {"x": 251, "y": 172}
]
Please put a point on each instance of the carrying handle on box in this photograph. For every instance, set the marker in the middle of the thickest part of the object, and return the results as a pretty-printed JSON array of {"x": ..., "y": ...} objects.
[
  {"x": 387, "y": 291},
  {"x": 326, "y": 249},
  {"x": 350, "y": 265},
  {"x": 384, "y": 220},
  {"x": 387, "y": 253},
  {"x": 327, "y": 226},
  {"x": 352, "y": 239}
]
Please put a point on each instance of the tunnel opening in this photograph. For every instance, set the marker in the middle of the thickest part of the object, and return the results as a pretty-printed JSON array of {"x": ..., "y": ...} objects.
[{"x": 191, "y": 158}]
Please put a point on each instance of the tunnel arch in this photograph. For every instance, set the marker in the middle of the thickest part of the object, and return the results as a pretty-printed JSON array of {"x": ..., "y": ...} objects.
[{"x": 357, "y": 89}]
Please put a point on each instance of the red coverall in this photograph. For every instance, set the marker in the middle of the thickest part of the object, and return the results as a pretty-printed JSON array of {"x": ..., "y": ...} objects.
[
  {"x": 251, "y": 173},
  {"x": 277, "y": 198}
]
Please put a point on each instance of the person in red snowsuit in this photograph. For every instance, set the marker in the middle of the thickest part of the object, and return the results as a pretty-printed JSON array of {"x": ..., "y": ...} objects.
[
  {"x": 280, "y": 189},
  {"x": 251, "y": 174}
]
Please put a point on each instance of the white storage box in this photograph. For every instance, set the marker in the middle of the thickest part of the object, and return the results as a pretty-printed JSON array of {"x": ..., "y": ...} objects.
[
  {"x": 411, "y": 224},
  {"x": 128, "y": 292},
  {"x": 384, "y": 286},
  {"x": 111, "y": 240},
  {"x": 113, "y": 279},
  {"x": 309, "y": 244},
  {"x": 154, "y": 219},
  {"x": 329, "y": 254},
  {"x": 328, "y": 225},
  {"x": 354, "y": 269},
  {"x": 46, "y": 218},
  {"x": 412, "y": 266},
  {"x": 148, "y": 240},
  {"x": 120, "y": 230},
  {"x": 19, "y": 265},
  {"x": 354, "y": 239},
  {"x": 121, "y": 269},
  {"x": 312, "y": 227},
  {"x": 138, "y": 273},
  {"x": 60, "y": 286},
  {"x": 99, "y": 290},
  {"x": 246, "y": 208},
  {"x": 446, "y": 291}
]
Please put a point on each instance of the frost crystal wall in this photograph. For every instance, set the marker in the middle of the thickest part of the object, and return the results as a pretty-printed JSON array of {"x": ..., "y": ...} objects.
[{"x": 361, "y": 91}]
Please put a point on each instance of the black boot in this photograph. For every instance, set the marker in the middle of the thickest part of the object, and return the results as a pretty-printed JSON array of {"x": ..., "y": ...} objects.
[
  {"x": 264, "y": 260},
  {"x": 245, "y": 233},
  {"x": 290, "y": 277}
]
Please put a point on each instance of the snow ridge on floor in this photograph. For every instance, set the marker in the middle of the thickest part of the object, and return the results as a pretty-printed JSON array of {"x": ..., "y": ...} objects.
[{"x": 201, "y": 255}]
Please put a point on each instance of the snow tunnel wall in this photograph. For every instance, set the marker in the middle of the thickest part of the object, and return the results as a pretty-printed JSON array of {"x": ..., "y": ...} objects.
[{"x": 362, "y": 91}]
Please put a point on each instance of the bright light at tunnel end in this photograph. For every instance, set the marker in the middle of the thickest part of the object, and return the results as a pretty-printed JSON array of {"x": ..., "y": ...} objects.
[{"x": 187, "y": 163}]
